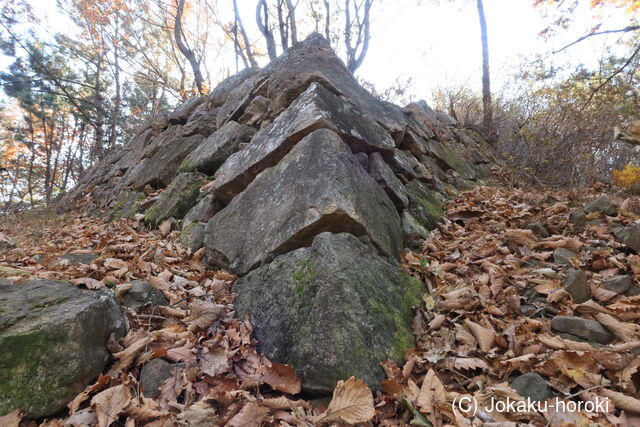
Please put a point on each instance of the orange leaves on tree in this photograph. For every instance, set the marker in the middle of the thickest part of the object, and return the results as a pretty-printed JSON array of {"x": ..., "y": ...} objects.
[{"x": 627, "y": 176}]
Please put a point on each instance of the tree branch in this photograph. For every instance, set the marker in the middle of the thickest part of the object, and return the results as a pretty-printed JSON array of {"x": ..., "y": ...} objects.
[{"x": 598, "y": 33}]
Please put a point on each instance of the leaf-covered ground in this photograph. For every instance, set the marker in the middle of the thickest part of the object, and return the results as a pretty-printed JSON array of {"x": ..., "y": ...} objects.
[{"x": 491, "y": 290}]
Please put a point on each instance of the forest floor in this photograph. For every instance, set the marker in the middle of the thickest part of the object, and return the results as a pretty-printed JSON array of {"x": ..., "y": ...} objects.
[{"x": 491, "y": 290}]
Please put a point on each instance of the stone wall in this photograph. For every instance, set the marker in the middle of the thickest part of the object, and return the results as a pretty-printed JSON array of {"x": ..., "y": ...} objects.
[{"x": 317, "y": 188}]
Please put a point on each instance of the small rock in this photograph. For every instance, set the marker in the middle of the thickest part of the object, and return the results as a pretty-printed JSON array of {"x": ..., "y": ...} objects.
[
  {"x": 578, "y": 219},
  {"x": 575, "y": 283},
  {"x": 561, "y": 256},
  {"x": 632, "y": 291},
  {"x": 538, "y": 229},
  {"x": 153, "y": 374},
  {"x": 602, "y": 204},
  {"x": 629, "y": 236},
  {"x": 413, "y": 232},
  {"x": 192, "y": 236},
  {"x": 532, "y": 386},
  {"x": 618, "y": 284},
  {"x": 6, "y": 244},
  {"x": 141, "y": 294},
  {"x": 583, "y": 328},
  {"x": 85, "y": 259}
]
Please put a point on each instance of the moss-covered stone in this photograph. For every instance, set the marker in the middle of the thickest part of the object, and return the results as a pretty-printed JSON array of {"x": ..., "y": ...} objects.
[
  {"x": 426, "y": 205},
  {"x": 192, "y": 236},
  {"x": 339, "y": 310},
  {"x": 53, "y": 340},
  {"x": 126, "y": 205},
  {"x": 176, "y": 200}
]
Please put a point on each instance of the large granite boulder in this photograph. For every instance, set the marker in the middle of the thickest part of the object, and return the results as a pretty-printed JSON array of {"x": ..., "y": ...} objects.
[
  {"x": 331, "y": 310},
  {"x": 217, "y": 148},
  {"x": 177, "y": 199},
  {"x": 53, "y": 339},
  {"x": 319, "y": 186},
  {"x": 316, "y": 108}
]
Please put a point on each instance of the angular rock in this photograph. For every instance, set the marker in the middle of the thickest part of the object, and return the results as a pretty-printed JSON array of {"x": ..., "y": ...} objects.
[
  {"x": 153, "y": 374},
  {"x": 183, "y": 111},
  {"x": 414, "y": 233},
  {"x": 316, "y": 108},
  {"x": 561, "y": 256},
  {"x": 318, "y": 186},
  {"x": 239, "y": 98},
  {"x": 632, "y": 291},
  {"x": 217, "y": 148},
  {"x": 159, "y": 170},
  {"x": 176, "y": 200},
  {"x": 192, "y": 236},
  {"x": 384, "y": 176},
  {"x": 538, "y": 229},
  {"x": 142, "y": 294},
  {"x": 126, "y": 205},
  {"x": 449, "y": 159},
  {"x": 339, "y": 310},
  {"x": 602, "y": 204},
  {"x": 53, "y": 343},
  {"x": 583, "y": 328},
  {"x": 6, "y": 243},
  {"x": 202, "y": 122},
  {"x": 575, "y": 283},
  {"x": 578, "y": 219},
  {"x": 618, "y": 284},
  {"x": 257, "y": 111},
  {"x": 629, "y": 236},
  {"x": 532, "y": 386},
  {"x": 401, "y": 164},
  {"x": 426, "y": 205},
  {"x": 220, "y": 94},
  {"x": 86, "y": 258},
  {"x": 203, "y": 211}
]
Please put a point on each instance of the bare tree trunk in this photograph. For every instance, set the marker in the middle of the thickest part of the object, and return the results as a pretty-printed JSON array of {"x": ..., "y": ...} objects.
[
  {"x": 98, "y": 144},
  {"x": 262, "y": 19},
  {"x": 118, "y": 96},
  {"x": 355, "y": 58},
  {"x": 243, "y": 33},
  {"x": 283, "y": 24},
  {"x": 327, "y": 21},
  {"x": 292, "y": 22},
  {"x": 487, "y": 110},
  {"x": 184, "y": 49}
]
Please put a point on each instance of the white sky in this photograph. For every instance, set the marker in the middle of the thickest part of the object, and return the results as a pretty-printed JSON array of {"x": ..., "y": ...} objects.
[{"x": 438, "y": 44}]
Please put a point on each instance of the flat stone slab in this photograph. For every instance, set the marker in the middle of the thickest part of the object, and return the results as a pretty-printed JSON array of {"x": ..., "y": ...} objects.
[
  {"x": 176, "y": 200},
  {"x": 53, "y": 343},
  {"x": 316, "y": 108},
  {"x": 384, "y": 176},
  {"x": 590, "y": 330},
  {"x": 319, "y": 186},
  {"x": 332, "y": 310}
]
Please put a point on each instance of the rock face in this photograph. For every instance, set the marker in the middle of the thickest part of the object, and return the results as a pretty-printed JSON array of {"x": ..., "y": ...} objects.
[
  {"x": 309, "y": 170},
  {"x": 338, "y": 308},
  {"x": 279, "y": 217},
  {"x": 53, "y": 339}
]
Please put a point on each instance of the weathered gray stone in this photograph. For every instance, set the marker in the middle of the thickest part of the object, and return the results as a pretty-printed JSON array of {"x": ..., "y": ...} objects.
[
  {"x": 632, "y": 291},
  {"x": 202, "y": 122},
  {"x": 629, "y": 236},
  {"x": 414, "y": 233},
  {"x": 176, "y": 200},
  {"x": 318, "y": 186},
  {"x": 449, "y": 159},
  {"x": 338, "y": 310},
  {"x": 142, "y": 294},
  {"x": 167, "y": 137},
  {"x": 126, "y": 205},
  {"x": 316, "y": 108},
  {"x": 602, "y": 204},
  {"x": 401, "y": 164},
  {"x": 203, "y": 211},
  {"x": 583, "y": 328},
  {"x": 575, "y": 283},
  {"x": 153, "y": 375},
  {"x": 538, "y": 229},
  {"x": 561, "y": 256},
  {"x": 426, "y": 205},
  {"x": 159, "y": 170},
  {"x": 6, "y": 243},
  {"x": 618, "y": 284},
  {"x": 384, "y": 176},
  {"x": 222, "y": 91},
  {"x": 217, "y": 148},
  {"x": 192, "y": 236},
  {"x": 85, "y": 258},
  {"x": 53, "y": 339},
  {"x": 239, "y": 98},
  {"x": 257, "y": 111},
  {"x": 183, "y": 111},
  {"x": 578, "y": 219},
  {"x": 532, "y": 386}
]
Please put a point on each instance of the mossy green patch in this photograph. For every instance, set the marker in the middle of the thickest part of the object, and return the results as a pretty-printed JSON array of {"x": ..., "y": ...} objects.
[
  {"x": 303, "y": 276},
  {"x": 126, "y": 205},
  {"x": 176, "y": 200}
]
